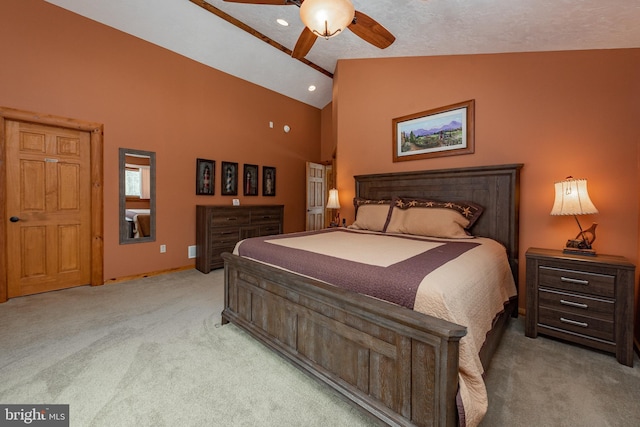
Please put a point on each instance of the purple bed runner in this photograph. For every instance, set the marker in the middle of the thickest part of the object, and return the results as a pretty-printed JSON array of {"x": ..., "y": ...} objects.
[{"x": 397, "y": 283}]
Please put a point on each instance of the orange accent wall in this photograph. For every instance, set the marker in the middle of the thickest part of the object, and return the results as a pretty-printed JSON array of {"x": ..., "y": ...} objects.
[
  {"x": 148, "y": 98},
  {"x": 560, "y": 113},
  {"x": 327, "y": 137}
]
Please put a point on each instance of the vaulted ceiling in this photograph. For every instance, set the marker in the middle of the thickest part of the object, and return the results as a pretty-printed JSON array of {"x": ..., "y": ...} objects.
[{"x": 257, "y": 49}]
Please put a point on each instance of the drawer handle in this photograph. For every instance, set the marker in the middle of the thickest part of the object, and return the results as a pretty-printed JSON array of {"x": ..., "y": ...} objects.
[
  {"x": 574, "y": 281},
  {"x": 573, "y": 304},
  {"x": 266, "y": 217},
  {"x": 232, "y": 218},
  {"x": 574, "y": 323}
]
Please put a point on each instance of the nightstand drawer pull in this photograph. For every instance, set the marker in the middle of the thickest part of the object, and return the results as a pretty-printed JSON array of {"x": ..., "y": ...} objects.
[
  {"x": 573, "y": 304},
  {"x": 573, "y": 322},
  {"x": 574, "y": 281}
]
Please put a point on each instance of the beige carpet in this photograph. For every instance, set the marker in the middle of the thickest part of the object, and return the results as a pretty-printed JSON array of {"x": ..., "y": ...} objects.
[{"x": 151, "y": 352}]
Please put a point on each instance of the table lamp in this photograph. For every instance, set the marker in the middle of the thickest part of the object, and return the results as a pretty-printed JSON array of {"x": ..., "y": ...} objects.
[
  {"x": 334, "y": 203},
  {"x": 572, "y": 198}
]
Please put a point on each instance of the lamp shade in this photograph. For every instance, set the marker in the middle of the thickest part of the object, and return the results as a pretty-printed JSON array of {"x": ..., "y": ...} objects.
[
  {"x": 572, "y": 198},
  {"x": 333, "y": 202},
  {"x": 326, "y": 18}
]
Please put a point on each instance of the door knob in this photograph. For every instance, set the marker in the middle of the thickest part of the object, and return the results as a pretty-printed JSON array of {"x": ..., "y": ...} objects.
[{"x": 14, "y": 219}]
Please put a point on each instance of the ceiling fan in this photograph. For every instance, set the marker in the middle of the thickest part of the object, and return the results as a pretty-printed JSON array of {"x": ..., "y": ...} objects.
[{"x": 327, "y": 18}]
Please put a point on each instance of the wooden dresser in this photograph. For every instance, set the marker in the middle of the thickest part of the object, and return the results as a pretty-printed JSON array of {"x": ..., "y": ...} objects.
[
  {"x": 583, "y": 299},
  {"x": 219, "y": 228}
]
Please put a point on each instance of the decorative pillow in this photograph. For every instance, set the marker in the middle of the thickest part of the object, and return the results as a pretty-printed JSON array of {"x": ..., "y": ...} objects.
[
  {"x": 433, "y": 218},
  {"x": 371, "y": 214}
]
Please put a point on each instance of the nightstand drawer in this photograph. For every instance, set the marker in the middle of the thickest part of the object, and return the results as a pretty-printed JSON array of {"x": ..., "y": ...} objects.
[
  {"x": 581, "y": 305},
  {"x": 584, "y": 325},
  {"x": 577, "y": 281}
]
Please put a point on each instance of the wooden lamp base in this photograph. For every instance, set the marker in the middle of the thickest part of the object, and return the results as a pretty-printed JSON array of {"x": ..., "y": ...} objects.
[{"x": 576, "y": 251}]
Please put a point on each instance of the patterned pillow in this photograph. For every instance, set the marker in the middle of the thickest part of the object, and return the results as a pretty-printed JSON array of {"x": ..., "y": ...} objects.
[{"x": 433, "y": 218}]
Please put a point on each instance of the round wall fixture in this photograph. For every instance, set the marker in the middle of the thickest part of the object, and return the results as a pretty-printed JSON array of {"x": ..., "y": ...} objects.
[{"x": 286, "y": 129}]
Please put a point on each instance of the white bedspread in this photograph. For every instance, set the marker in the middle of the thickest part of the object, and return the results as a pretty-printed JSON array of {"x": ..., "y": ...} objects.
[{"x": 484, "y": 284}]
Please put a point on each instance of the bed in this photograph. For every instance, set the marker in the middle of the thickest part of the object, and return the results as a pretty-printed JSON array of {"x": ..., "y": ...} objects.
[
  {"x": 400, "y": 365},
  {"x": 139, "y": 221}
]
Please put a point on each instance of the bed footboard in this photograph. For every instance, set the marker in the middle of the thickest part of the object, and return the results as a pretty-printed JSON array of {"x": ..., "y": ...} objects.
[{"x": 399, "y": 365}]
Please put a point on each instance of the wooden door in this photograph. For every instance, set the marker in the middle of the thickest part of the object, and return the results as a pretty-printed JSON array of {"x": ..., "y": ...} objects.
[
  {"x": 315, "y": 196},
  {"x": 48, "y": 204}
]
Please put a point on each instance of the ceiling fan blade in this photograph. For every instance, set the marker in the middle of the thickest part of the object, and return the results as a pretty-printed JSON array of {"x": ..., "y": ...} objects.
[
  {"x": 274, "y": 2},
  {"x": 369, "y": 30},
  {"x": 304, "y": 44}
]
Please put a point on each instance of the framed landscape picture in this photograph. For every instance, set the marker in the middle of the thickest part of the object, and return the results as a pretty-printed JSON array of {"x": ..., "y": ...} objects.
[
  {"x": 229, "y": 178},
  {"x": 205, "y": 177},
  {"x": 250, "y": 180},
  {"x": 445, "y": 131},
  {"x": 268, "y": 181}
]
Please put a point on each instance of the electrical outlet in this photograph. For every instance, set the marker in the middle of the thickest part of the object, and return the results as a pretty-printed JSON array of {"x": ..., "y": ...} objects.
[
  {"x": 192, "y": 251},
  {"x": 163, "y": 249}
]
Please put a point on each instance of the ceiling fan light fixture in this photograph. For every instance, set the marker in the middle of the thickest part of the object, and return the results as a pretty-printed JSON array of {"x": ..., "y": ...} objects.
[{"x": 326, "y": 18}]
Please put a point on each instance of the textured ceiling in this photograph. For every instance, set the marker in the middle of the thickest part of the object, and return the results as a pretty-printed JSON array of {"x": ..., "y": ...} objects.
[{"x": 421, "y": 27}]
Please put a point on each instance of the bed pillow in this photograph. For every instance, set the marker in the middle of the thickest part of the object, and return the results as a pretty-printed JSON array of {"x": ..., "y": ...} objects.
[
  {"x": 371, "y": 214},
  {"x": 433, "y": 218}
]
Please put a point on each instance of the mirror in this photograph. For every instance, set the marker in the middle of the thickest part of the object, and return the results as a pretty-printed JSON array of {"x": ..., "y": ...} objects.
[{"x": 137, "y": 196}]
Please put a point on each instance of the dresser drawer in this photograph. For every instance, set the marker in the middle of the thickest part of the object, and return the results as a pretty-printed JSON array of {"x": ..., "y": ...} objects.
[
  {"x": 270, "y": 229},
  {"x": 216, "y": 252},
  {"x": 265, "y": 216},
  {"x": 584, "y": 325},
  {"x": 601, "y": 308},
  {"x": 224, "y": 236},
  {"x": 216, "y": 260},
  {"x": 220, "y": 227},
  {"x": 577, "y": 281},
  {"x": 230, "y": 217}
]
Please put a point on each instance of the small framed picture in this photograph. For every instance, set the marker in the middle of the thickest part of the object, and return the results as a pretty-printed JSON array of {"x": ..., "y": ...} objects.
[
  {"x": 250, "y": 180},
  {"x": 268, "y": 181},
  {"x": 229, "y": 179},
  {"x": 205, "y": 177}
]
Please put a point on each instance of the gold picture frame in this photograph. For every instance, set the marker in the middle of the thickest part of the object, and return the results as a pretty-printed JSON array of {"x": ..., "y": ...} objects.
[{"x": 444, "y": 131}]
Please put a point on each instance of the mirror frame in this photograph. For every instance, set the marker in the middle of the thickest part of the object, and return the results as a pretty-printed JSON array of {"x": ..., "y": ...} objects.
[{"x": 124, "y": 227}]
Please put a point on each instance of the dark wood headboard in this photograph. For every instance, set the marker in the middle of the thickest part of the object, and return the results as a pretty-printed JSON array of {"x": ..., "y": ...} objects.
[{"x": 496, "y": 188}]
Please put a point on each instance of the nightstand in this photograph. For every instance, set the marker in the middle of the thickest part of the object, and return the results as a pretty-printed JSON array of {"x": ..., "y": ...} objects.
[{"x": 587, "y": 300}]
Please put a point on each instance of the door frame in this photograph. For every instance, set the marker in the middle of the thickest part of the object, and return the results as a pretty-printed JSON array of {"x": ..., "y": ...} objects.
[
  {"x": 324, "y": 194},
  {"x": 95, "y": 131}
]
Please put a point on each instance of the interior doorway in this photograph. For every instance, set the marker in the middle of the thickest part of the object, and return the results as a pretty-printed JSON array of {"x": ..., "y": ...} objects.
[
  {"x": 315, "y": 217},
  {"x": 321, "y": 177},
  {"x": 52, "y": 209}
]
